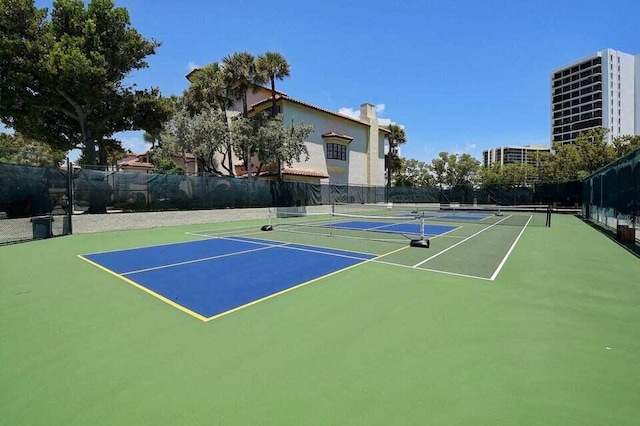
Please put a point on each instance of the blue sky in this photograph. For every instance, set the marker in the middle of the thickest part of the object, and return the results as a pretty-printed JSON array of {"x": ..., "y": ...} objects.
[{"x": 460, "y": 76}]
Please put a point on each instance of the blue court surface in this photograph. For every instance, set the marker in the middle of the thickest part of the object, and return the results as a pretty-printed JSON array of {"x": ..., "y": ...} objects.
[
  {"x": 395, "y": 228},
  {"x": 210, "y": 277}
]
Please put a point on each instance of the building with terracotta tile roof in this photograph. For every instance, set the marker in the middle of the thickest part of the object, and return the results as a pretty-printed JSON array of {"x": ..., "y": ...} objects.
[
  {"x": 141, "y": 163},
  {"x": 342, "y": 149}
]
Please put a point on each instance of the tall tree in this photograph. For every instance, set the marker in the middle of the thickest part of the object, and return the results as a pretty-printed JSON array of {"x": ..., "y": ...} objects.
[
  {"x": 595, "y": 151},
  {"x": 151, "y": 113},
  {"x": 16, "y": 149},
  {"x": 277, "y": 143},
  {"x": 395, "y": 138},
  {"x": 413, "y": 172},
  {"x": 70, "y": 68},
  {"x": 453, "y": 170},
  {"x": 626, "y": 144},
  {"x": 565, "y": 165},
  {"x": 210, "y": 89},
  {"x": 466, "y": 170},
  {"x": 203, "y": 135},
  {"x": 242, "y": 75},
  {"x": 440, "y": 167},
  {"x": 273, "y": 66}
]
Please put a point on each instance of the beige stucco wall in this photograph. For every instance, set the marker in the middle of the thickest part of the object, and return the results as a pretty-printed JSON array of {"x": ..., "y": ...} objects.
[{"x": 358, "y": 169}]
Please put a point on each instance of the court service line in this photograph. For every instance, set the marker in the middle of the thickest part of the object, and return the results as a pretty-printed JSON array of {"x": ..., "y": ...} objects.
[
  {"x": 266, "y": 247},
  {"x": 495, "y": 274},
  {"x": 288, "y": 247},
  {"x": 248, "y": 231},
  {"x": 460, "y": 242},
  {"x": 406, "y": 222},
  {"x": 166, "y": 244},
  {"x": 431, "y": 270},
  {"x": 203, "y": 259},
  {"x": 325, "y": 235},
  {"x": 445, "y": 234}
]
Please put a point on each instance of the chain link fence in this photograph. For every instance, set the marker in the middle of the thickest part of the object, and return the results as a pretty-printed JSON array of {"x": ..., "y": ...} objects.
[
  {"x": 39, "y": 202},
  {"x": 612, "y": 197}
]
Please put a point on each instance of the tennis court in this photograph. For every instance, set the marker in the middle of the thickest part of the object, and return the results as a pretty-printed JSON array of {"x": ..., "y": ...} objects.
[{"x": 325, "y": 319}]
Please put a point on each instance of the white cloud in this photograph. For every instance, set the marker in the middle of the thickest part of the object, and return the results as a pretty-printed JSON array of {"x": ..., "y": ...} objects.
[
  {"x": 469, "y": 148},
  {"x": 355, "y": 112},
  {"x": 192, "y": 66}
]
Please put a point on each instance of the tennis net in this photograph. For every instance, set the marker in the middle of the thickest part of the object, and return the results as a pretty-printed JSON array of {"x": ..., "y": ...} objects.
[
  {"x": 385, "y": 228},
  {"x": 535, "y": 215}
]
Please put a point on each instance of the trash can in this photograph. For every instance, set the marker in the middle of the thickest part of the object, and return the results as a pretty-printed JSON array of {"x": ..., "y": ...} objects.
[
  {"x": 625, "y": 234},
  {"x": 42, "y": 227}
]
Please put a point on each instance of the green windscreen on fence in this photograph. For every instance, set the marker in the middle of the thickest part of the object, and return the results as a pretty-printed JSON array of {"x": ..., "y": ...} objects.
[
  {"x": 611, "y": 195},
  {"x": 28, "y": 192},
  {"x": 34, "y": 202}
]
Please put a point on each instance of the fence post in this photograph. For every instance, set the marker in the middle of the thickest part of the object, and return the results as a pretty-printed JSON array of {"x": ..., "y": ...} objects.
[{"x": 70, "y": 197}]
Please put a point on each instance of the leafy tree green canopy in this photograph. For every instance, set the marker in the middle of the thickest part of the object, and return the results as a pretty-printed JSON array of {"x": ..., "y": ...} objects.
[
  {"x": 62, "y": 75},
  {"x": 16, "y": 149}
]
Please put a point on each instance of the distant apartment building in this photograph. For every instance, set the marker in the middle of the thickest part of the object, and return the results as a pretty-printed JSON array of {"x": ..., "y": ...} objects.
[
  {"x": 528, "y": 154},
  {"x": 602, "y": 90}
]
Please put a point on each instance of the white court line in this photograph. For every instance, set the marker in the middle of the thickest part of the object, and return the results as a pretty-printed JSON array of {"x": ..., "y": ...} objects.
[
  {"x": 266, "y": 243},
  {"x": 445, "y": 234},
  {"x": 373, "y": 228},
  {"x": 173, "y": 243},
  {"x": 430, "y": 270},
  {"x": 295, "y": 232},
  {"x": 460, "y": 242},
  {"x": 495, "y": 274},
  {"x": 271, "y": 296},
  {"x": 249, "y": 231},
  {"x": 203, "y": 259}
]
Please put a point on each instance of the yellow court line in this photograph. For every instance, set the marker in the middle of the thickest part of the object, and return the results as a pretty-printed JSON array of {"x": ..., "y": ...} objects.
[
  {"x": 222, "y": 314},
  {"x": 146, "y": 290}
]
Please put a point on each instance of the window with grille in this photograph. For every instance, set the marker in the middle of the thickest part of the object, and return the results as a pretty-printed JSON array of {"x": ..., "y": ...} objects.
[{"x": 336, "y": 151}]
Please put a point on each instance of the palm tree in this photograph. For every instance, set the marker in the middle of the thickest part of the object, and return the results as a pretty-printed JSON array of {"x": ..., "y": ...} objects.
[
  {"x": 272, "y": 66},
  {"x": 208, "y": 89},
  {"x": 395, "y": 137},
  {"x": 241, "y": 74}
]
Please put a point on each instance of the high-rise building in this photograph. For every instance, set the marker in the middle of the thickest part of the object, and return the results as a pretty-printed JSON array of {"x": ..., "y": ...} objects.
[
  {"x": 528, "y": 154},
  {"x": 602, "y": 90}
]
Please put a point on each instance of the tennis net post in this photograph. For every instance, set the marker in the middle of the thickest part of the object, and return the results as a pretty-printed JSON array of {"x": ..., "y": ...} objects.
[{"x": 420, "y": 242}]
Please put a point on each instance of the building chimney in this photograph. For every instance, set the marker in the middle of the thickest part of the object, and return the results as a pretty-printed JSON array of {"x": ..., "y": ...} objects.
[{"x": 367, "y": 112}]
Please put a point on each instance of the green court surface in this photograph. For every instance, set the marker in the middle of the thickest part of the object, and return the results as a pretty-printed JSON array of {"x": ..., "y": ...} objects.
[{"x": 514, "y": 326}]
